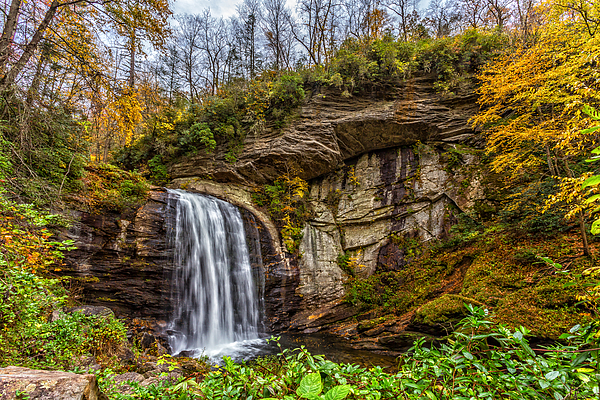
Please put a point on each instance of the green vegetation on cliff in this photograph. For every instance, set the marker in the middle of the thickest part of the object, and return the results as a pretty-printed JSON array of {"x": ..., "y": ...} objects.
[
  {"x": 219, "y": 124},
  {"x": 494, "y": 268}
]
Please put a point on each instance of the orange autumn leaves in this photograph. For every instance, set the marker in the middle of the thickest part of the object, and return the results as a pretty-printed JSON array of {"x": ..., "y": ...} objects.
[{"x": 24, "y": 243}]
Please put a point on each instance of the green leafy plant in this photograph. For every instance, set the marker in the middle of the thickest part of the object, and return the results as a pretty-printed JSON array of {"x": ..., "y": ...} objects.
[
  {"x": 198, "y": 134},
  {"x": 311, "y": 388},
  {"x": 34, "y": 332}
]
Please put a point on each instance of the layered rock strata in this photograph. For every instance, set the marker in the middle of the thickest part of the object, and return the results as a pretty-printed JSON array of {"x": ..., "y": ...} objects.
[
  {"x": 331, "y": 129},
  {"x": 124, "y": 261}
]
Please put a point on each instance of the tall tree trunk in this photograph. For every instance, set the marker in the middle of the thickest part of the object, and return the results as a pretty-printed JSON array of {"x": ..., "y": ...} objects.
[
  {"x": 586, "y": 246},
  {"x": 35, "y": 83},
  {"x": 131, "y": 80},
  {"x": 16, "y": 69},
  {"x": 553, "y": 170},
  {"x": 8, "y": 33}
]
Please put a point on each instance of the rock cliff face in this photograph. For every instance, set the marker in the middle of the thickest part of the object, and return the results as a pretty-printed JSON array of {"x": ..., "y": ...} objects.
[
  {"x": 383, "y": 171},
  {"x": 122, "y": 258},
  {"x": 373, "y": 209}
]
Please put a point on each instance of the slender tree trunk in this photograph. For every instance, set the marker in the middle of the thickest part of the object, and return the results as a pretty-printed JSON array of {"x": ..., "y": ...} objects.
[
  {"x": 131, "y": 80},
  {"x": 586, "y": 246},
  {"x": 171, "y": 83},
  {"x": 35, "y": 82},
  {"x": 553, "y": 170}
]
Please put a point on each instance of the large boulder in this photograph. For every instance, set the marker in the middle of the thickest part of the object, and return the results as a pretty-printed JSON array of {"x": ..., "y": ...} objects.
[{"x": 47, "y": 385}]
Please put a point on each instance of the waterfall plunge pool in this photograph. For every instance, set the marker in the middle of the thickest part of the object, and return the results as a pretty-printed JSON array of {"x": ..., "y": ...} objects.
[{"x": 332, "y": 347}]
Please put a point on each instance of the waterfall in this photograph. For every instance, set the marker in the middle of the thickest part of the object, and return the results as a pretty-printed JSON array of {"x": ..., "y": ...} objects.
[{"x": 216, "y": 297}]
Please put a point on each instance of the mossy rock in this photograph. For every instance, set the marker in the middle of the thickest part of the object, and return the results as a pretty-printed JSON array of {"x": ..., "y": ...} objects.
[
  {"x": 547, "y": 309},
  {"x": 504, "y": 276},
  {"x": 446, "y": 309},
  {"x": 370, "y": 324}
]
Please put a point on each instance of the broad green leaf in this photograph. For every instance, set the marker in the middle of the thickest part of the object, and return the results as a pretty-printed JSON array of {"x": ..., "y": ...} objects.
[
  {"x": 583, "y": 377},
  {"x": 310, "y": 386},
  {"x": 518, "y": 335},
  {"x": 414, "y": 385},
  {"x": 590, "y": 130},
  {"x": 591, "y": 181},
  {"x": 593, "y": 159},
  {"x": 558, "y": 396},
  {"x": 544, "y": 384},
  {"x": 595, "y": 229},
  {"x": 592, "y": 199},
  {"x": 527, "y": 349},
  {"x": 586, "y": 370},
  {"x": 592, "y": 112},
  {"x": 580, "y": 358},
  {"x": 552, "y": 375},
  {"x": 467, "y": 355},
  {"x": 338, "y": 392}
]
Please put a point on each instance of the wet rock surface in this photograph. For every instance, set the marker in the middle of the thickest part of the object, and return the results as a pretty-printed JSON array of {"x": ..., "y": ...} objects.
[{"x": 122, "y": 259}]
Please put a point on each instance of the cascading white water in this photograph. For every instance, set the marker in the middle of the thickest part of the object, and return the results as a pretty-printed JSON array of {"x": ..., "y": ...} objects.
[{"x": 216, "y": 298}]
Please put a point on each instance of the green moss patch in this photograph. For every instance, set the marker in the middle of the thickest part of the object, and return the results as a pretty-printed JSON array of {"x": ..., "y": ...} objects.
[{"x": 493, "y": 269}]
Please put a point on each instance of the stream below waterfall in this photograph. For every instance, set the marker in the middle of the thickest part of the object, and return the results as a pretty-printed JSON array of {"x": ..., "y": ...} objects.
[{"x": 218, "y": 308}]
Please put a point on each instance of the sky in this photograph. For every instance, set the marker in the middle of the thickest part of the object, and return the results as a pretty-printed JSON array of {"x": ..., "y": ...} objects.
[{"x": 224, "y": 8}]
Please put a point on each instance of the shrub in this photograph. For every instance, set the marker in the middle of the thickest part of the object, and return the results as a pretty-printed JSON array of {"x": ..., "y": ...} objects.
[
  {"x": 199, "y": 133},
  {"x": 286, "y": 201},
  {"x": 287, "y": 92},
  {"x": 106, "y": 187},
  {"x": 28, "y": 334},
  {"x": 479, "y": 360}
]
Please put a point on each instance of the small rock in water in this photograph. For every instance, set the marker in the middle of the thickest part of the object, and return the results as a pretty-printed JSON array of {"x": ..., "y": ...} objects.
[
  {"x": 311, "y": 330},
  {"x": 186, "y": 353}
]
